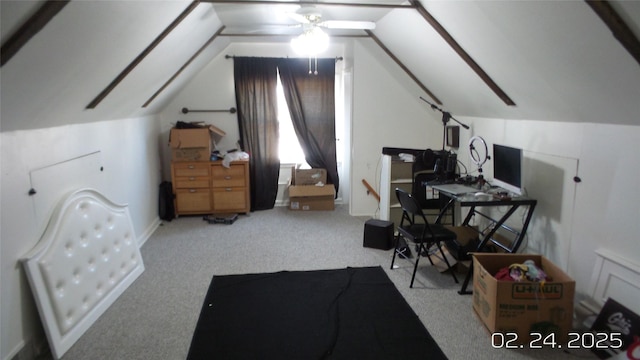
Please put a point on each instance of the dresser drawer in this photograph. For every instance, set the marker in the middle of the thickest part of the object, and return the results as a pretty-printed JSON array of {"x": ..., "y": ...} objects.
[
  {"x": 230, "y": 199},
  {"x": 193, "y": 200},
  {"x": 233, "y": 176},
  {"x": 190, "y": 169},
  {"x": 192, "y": 182}
]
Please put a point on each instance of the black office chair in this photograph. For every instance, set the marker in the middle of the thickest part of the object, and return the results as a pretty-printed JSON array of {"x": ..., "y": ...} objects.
[{"x": 415, "y": 228}]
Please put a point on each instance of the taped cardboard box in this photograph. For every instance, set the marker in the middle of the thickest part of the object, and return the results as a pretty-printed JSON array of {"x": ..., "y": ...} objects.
[
  {"x": 190, "y": 144},
  {"x": 308, "y": 176},
  {"x": 439, "y": 262},
  {"x": 311, "y": 197},
  {"x": 524, "y": 308},
  {"x": 193, "y": 144},
  {"x": 190, "y": 154}
]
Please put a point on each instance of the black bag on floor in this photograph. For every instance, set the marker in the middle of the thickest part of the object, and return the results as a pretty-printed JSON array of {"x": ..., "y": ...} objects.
[{"x": 166, "y": 211}]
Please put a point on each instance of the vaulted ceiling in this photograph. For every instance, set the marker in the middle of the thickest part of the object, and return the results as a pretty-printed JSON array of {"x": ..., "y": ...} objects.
[{"x": 72, "y": 62}]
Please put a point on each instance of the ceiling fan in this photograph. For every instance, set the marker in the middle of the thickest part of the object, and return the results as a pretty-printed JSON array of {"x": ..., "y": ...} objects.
[
  {"x": 313, "y": 40},
  {"x": 309, "y": 16}
]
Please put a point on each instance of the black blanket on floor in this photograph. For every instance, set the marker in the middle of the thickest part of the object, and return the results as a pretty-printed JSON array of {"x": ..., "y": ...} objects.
[{"x": 352, "y": 313}]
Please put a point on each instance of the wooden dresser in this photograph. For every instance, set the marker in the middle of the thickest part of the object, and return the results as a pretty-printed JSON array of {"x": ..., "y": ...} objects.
[{"x": 207, "y": 187}]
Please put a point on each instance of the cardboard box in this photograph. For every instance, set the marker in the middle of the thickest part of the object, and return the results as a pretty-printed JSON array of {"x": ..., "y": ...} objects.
[
  {"x": 522, "y": 307},
  {"x": 439, "y": 262},
  {"x": 190, "y": 144},
  {"x": 190, "y": 154},
  {"x": 311, "y": 197},
  {"x": 308, "y": 176}
]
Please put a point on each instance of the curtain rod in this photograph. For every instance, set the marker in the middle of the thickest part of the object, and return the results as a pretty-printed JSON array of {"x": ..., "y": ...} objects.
[
  {"x": 186, "y": 111},
  {"x": 338, "y": 58}
]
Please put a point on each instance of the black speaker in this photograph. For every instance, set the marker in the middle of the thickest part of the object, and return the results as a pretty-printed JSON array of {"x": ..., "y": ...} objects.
[{"x": 378, "y": 234}]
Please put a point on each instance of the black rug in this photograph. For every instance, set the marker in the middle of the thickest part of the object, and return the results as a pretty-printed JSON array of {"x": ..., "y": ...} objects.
[{"x": 352, "y": 313}]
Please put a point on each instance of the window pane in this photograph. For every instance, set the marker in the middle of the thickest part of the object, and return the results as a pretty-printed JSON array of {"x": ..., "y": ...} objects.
[{"x": 289, "y": 149}]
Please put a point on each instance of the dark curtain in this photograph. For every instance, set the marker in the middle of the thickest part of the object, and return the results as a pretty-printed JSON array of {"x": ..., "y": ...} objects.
[
  {"x": 256, "y": 99},
  {"x": 311, "y": 102}
]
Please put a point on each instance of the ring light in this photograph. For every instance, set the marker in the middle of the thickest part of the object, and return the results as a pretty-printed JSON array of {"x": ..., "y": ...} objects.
[{"x": 478, "y": 157}]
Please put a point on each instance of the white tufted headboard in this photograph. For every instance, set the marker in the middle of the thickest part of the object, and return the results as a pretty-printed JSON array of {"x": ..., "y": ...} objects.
[{"x": 86, "y": 258}]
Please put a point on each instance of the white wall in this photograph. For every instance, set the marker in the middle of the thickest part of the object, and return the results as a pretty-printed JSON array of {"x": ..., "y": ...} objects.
[
  {"x": 608, "y": 201},
  {"x": 387, "y": 112},
  {"x": 128, "y": 152}
]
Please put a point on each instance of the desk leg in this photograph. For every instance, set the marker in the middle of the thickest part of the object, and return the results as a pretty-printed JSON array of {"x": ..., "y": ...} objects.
[
  {"x": 488, "y": 237},
  {"x": 483, "y": 243}
]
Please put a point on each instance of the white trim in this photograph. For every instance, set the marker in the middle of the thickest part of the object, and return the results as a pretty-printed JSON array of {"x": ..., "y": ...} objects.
[
  {"x": 16, "y": 350},
  {"x": 617, "y": 277},
  {"x": 149, "y": 231}
]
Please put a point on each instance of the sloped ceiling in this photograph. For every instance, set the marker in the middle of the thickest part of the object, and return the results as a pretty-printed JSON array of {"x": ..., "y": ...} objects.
[
  {"x": 56, "y": 75},
  {"x": 556, "y": 60}
]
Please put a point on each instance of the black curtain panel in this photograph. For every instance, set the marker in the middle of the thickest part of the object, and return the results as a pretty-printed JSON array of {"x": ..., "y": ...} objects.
[
  {"x": 311, "y": 102},
  {"x": 256, "y": 100}
]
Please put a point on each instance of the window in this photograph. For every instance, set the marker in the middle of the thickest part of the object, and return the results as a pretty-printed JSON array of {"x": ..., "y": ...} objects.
[{"x": 289, "y": 149}]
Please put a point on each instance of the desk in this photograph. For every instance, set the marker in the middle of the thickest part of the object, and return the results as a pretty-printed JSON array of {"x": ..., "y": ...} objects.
[{"x": 487, "y": 237}]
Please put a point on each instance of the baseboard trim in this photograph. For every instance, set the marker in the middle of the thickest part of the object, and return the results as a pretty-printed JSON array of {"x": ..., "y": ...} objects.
[
  {"x": 30, "y": 350},
  {"x": 149, "y": 231},
  {"x": 17, "y": 352},
  {"x": 285, "y": 203}
]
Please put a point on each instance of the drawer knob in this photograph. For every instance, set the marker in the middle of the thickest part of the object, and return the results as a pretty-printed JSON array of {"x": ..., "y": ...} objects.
[
  {"x": 191, "y": 178},
  {"x": 227, "y": 189},
  {"x": 227, "y": 177},
  {"x": 191, "y": 167},
  {"x": 192, "y": 190}
]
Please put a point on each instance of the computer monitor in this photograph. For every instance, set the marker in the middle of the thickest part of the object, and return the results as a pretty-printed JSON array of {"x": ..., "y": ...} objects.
[{"x": 507, "y": 168}]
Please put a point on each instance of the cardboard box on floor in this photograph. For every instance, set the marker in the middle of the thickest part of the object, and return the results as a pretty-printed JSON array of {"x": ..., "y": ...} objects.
[
  {"x": 439, "y": 262},
  {"x": 311, "y": 197},
  {"x": 304, "y": 195},
  {"x": 192, "y": 144},
  {"x": 308, "y": 176},
  {"x": 522, "y": 307}
]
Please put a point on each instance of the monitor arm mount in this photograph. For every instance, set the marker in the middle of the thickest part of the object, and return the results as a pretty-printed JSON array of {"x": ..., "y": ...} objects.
[{"x": 446, "y": 116}]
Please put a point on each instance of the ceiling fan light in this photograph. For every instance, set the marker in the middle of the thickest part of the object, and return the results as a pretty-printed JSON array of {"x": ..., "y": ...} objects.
[{"x": 311, "y": 42}]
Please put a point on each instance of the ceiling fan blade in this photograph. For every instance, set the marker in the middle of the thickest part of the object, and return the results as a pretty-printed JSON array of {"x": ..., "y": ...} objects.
[
  {"x": 306, "y": 14},
  {"x": 261, "y": 28},
  {"x": 346, "y": 24},
  {"x": 298, "y": 17}
]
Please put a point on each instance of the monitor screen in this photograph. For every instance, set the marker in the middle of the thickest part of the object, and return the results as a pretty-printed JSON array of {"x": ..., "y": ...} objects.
[{"x": 507, "y": 168}]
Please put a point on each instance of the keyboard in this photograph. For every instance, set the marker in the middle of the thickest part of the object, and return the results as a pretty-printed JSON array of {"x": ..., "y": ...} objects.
[{"x": 455, "y": 189}]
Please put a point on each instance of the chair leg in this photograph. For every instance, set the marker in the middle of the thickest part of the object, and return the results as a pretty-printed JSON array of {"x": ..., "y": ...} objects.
[
  {"x": 453, "y": 273},
  {"x": 396, "y": 240},
  {"x": 415, "y": 267},
  {"x": 426, "y": 253}
]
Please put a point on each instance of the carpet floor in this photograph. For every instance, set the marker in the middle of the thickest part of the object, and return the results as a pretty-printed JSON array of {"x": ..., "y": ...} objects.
[{"x": 156, "y": 317}]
